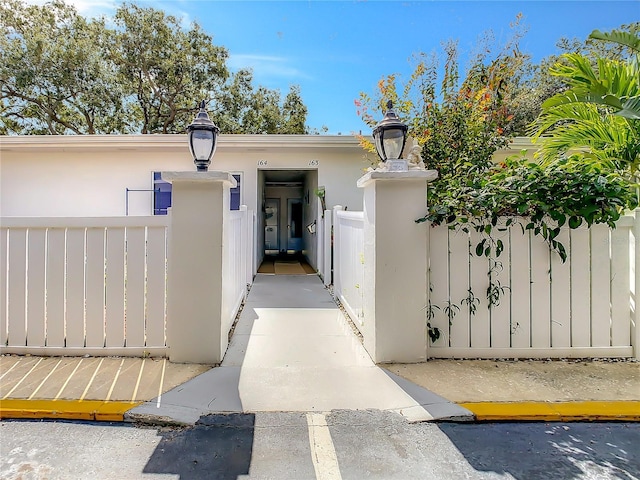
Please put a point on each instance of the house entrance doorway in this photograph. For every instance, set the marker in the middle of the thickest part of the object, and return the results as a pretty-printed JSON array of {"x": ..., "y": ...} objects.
[{"x": 286, "y": 228}]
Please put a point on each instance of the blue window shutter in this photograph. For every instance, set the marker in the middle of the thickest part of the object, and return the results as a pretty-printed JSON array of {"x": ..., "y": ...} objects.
[
  {"x": 161, "y": 195},
  {"x": 234, "y": 201}
]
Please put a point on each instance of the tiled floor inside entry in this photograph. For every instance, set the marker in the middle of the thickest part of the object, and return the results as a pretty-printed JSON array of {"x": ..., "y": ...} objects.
[{"x": 284, "y": 264}]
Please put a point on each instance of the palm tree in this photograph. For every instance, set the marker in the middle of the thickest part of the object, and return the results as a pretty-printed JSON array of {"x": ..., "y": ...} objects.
[{"x": 599, "y": 114}]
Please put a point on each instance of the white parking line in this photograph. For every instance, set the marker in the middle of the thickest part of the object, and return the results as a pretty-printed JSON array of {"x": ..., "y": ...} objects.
[
  {"x": 22, "y": 379},
  {"x": 115, "y": 380},
  {"x": 68, "y": 380},
  {"x": 93, "y": 377},
  {"x": 164, "y": 367},
  {"x": 45, "y": 379},
  {"x": 135, "y": 390},
  {"x": 323, "y": 453}
]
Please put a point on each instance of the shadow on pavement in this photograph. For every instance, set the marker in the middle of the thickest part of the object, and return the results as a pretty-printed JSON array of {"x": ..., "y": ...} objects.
[
  {"x": 217, "y": 447},
  {"x": 530, "y": 451}
]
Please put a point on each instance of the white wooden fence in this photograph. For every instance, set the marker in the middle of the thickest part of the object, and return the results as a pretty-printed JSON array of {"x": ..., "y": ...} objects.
[
  {"x": 584, "y": 307},
  {"x": 237, "y": 267},
  {"x": 75, "y": 286},
  {"x": 348, "y": 258},
  {"x": 98, "y": 286}
]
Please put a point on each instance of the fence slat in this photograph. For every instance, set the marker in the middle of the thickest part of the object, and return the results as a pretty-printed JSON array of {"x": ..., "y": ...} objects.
[
  {"x": 36, "y": 287},
  {"x": 580, "y": 288},
  {"x": 635, "y": 265},
  {"x": 156, "y": 281},
  {"x": 620, "y": 288},
  {"x": 95, "y": 287},
  {"x": 337, "y": 246},
  {"x": 327, "y": 240},
  {"x": 459, "y": 283},
  {"x": 500, "y": 277},
  {"x": 520, "y": 288},
  {"x": 75, "y": 287},
  {"x": 55, "y": 287},
  {"x": 540, "y": 294},
  {"x": 561, "y": 295},
  {"x": 134, "y": 287},
  {"x": 480, "y": 322},
  {"x": 3, "y": 283},
  {"x": 115, "y": 287},
  {"x": 359, "y": 272},
  {"x": 439, "y": 283},
  {"x": 600, "y": 285},
  {"x": 17, "y": 286}
]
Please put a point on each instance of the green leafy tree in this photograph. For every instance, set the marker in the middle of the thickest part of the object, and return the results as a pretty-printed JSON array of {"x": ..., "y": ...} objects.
[
  {"x": 538, "y": 84},
  {"x": 140, "y": 72},
  {"x": 239, "y": 107},
  {"x": 599, "y": 112},
  {"x": 294, "y": 113},
  {"x": 163, "y": 67},
  {"x": 460, "y": 122},
  {"x": 54, "y": 74}
]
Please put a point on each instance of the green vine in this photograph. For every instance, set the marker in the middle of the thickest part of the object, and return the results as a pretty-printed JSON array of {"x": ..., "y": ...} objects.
[{"x": 472, "y": 302}]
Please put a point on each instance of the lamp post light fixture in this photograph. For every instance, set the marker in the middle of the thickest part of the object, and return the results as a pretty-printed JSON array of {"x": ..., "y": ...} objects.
[
  {"x": 203, "y": 136},
  {"x": 390, "y": 136}
]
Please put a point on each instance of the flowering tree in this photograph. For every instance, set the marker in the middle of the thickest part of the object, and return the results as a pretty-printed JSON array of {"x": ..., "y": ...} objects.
[{"x": 460, "y": 122}]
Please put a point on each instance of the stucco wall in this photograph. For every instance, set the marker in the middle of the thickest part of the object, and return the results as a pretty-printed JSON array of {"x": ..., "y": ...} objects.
[{"x": 89, "y": 175}]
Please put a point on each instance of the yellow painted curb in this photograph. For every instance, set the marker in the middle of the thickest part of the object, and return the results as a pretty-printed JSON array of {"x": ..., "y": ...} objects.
[
  {"x": 65, "y": 409},
  {"x": 628, "y": 411}
]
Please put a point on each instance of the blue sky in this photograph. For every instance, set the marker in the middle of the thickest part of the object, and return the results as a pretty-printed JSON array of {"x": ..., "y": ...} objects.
[{"x": 335, "y": 49}]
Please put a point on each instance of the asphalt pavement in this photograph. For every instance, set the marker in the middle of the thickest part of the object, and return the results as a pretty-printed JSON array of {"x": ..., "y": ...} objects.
[{"x": 346, "y": 445}]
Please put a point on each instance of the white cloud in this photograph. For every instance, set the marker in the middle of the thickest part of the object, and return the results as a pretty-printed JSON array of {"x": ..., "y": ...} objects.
[
  {"x": 266, "y": 66},
  {"x": 87, "y": 8}
]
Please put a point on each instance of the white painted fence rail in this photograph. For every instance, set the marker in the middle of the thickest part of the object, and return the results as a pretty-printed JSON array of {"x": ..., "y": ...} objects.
[
  {"x": 239, "y": 251},
  {"x": 584, "y": 307},
  {"x": 546, "y": 308},
  {"x": 348, "y": 258},
  {"x": 75, "y": 286}
]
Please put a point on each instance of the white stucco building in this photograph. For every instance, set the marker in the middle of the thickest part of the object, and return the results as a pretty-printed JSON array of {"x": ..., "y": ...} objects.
[{"x": 115, "y": 175}]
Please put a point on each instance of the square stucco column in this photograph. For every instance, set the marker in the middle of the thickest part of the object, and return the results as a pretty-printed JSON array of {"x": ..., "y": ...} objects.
[
  {"x": 199, "y": 211},
  {"x": 395, "y": 265}
]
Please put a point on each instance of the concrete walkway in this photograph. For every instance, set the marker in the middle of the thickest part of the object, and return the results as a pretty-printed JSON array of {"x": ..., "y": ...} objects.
[{"x": 293, "y": 350}]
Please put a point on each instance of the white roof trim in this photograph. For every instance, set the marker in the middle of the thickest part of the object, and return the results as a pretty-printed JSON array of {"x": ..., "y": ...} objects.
[
  {"x": 174, "y": 141},
  {"x": 179, "y": 142}
]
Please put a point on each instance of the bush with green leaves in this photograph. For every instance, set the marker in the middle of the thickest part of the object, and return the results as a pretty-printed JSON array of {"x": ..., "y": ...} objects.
[{"x": 541, "y": 199}]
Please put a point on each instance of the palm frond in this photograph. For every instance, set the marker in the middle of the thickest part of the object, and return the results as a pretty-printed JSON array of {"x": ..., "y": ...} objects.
[
  {"x": 630, "y": 108},
  {"x": 581, "y": 126},
  {"x": 627, "y": 39}
]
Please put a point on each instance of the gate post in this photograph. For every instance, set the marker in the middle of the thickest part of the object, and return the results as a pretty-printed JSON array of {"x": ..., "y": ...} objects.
[
  {"x": 395, "y": 265},
  {"x": 199, "y": 214}
]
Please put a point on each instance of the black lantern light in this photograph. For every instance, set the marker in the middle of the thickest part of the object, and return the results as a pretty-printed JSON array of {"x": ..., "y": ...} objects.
[
  {"x": 390, "y": 135},
  {"x": 203, "y": 134}
]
